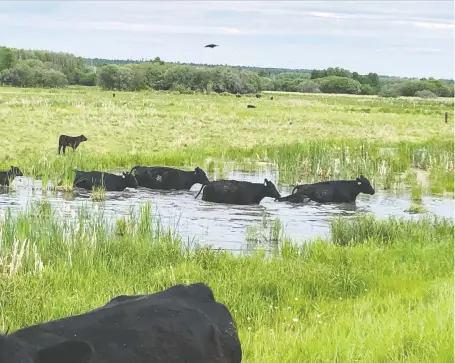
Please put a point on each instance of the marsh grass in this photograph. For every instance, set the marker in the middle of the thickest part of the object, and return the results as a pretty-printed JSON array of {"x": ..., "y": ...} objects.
[
  {"x": 416, "y": 208},
  {"x": 386, "y": 297},
  {"x": 309, "y": 137},
  {"x": 269, "y": 234},
  {"x": 361, "y": 228},
  {"x": 98, "y": 194}
]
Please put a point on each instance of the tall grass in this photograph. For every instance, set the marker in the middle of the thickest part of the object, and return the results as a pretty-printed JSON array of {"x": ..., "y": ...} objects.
[
  {"x": 388, "y": 297},
  {"x": 310, "y": 137}
]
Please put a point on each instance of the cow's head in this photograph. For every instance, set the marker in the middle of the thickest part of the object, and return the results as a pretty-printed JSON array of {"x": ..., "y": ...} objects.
[
  {"x": 201, "y": 176},
  {"x": 14, "y": 170},
  {"x": 130, "y": 179},
  {"x": 365, "y": 185},
  {"x": 271, "y": 190}
]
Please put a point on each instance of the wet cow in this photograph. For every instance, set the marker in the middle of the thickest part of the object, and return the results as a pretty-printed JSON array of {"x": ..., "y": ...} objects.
[
  {"x": 183, "y": 323},
  {"x": 333, "y": 191},
  {"x": 110, "y": 182},
  {"x": 8, "y": 176},
  {"x": 238, "y": 192},
  {"x": 166, "y": 178}
]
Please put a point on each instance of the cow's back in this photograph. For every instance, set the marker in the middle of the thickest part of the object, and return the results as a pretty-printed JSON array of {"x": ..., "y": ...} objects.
[{"x": 169, "y": 326}]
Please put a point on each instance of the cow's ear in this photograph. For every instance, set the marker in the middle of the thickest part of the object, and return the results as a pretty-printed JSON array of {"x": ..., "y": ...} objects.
[
  {"x": 266, "y": 182},
  {"x": 359, "y": 181},
  {"x": 70, "y": 351}
]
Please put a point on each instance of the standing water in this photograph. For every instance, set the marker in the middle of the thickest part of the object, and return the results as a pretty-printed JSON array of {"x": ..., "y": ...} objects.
[{"x": 222, "y": 226}]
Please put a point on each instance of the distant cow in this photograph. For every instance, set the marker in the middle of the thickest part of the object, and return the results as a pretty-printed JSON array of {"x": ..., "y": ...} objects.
[
  {"x": 238, "y": 96},
  {"x": 179, "y": 324},
  {"x": 111, "y": 182},
  {"x": 238, "y": 192},
  {"x": 333, "y": 191},
  {"x": 271, "y": 98},
  {"x": 8, "y": 176},
  {"x": 258, "y": 95},
  {"x": 72, "y": 141},
  {"x": 166, "y": 178},
  {"x": 250, "y": 106}
]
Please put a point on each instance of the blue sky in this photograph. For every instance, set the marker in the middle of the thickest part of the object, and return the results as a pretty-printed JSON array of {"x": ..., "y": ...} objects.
[{"x": 402, "y": 38}]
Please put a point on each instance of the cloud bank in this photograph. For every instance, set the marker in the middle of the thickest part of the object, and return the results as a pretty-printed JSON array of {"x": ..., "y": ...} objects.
[{"x": 403, "y": 38}]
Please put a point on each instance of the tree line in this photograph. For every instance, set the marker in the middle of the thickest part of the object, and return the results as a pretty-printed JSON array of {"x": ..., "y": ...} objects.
[{"x": 38, "y": 68}]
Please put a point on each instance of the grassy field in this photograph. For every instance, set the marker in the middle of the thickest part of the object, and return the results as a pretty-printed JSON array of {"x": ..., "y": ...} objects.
[
  {"x": 310, "y": 137},
  {"x": 377, "y": 292}
]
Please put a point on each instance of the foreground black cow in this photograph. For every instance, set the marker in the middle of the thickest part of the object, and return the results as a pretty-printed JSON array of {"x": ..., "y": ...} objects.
[
  {"x": 8, "y": 176},
  {"x": 238, "y": 192},
  {"x": 166, "y": 178},
  {"x": 72, "y": 141},
  {"x": 110, "y": 182},
  {"x": 333, "y": 191},
  {"x": 176, "y": 325}
]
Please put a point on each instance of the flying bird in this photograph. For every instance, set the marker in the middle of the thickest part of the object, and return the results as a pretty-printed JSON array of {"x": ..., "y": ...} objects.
[{"x": 211, "y": 46}]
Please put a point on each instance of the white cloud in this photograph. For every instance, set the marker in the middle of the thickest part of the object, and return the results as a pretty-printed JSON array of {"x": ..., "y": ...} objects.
[{"x": 416, "y": 37}]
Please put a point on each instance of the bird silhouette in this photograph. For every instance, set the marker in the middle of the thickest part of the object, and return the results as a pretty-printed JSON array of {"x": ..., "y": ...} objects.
[{"x": 211, "y": 46}]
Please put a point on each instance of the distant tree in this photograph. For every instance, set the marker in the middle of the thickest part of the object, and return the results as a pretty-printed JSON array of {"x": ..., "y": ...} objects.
[
  {"x": 309, "y": 87},
  {"x": 7, "y": 59},
  {"x": 425, "y": 94},
  {"x": 335, "y": 84}
]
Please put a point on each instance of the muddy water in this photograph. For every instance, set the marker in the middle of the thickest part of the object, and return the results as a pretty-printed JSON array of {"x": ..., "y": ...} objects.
[{"x": 223, "y": 226}]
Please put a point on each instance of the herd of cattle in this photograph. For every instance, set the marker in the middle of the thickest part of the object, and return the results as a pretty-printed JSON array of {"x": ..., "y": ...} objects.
[
  {"x": 218, "y": 191},
  {"x": 179, "y": 324}
]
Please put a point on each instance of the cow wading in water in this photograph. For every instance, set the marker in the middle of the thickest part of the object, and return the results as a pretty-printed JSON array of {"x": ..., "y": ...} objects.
[
  {"x": 110, "y": 182},
  {"x": 8, "y": 176},
  {"x": 179, "y": 324},
  {"x": 166, "y": 178},
  {"x": 332, "y": 191},
  {"x": 72, "y": 141},
  {"x": 238, "y": 192}
]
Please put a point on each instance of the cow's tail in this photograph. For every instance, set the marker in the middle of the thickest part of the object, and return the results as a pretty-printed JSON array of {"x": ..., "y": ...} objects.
[
  {"x": 200, "y": 190},
  {"x": 134, "y": 168}
]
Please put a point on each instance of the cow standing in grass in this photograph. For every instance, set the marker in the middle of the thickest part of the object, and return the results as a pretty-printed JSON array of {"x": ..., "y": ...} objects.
[{"x": 72, "y": 141}]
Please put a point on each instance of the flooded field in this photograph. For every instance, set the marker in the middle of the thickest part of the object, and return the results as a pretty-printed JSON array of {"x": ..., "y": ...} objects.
[{"x": 222, "y": 226}]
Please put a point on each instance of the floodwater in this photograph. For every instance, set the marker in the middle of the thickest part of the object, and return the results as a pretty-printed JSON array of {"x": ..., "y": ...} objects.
[{"x": 222, "y": 226}]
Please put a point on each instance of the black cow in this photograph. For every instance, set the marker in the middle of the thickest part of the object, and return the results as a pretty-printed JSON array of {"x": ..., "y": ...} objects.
[
  {"x": 258, "y": 95},
  {"x": 250, "y": 106},
  {"x": 8, "y": 176},
  {"x": 238, "y": 192},
  {"x": 333, "y": 191},
  {"x": 179, "y": 324},
  {"x": 72, "y": 141},
  {"x": 166, "y": 178},
  {"x": 108, "y": 181}
]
